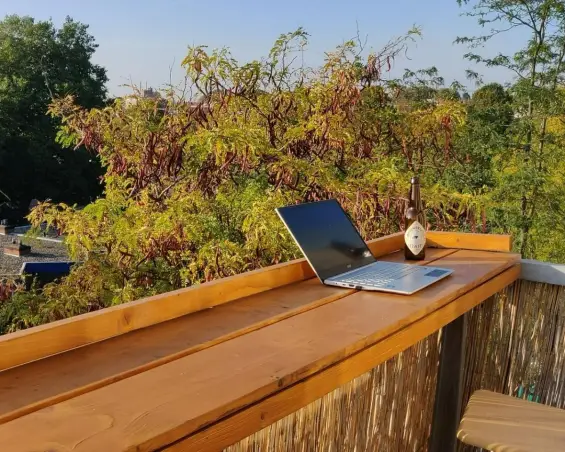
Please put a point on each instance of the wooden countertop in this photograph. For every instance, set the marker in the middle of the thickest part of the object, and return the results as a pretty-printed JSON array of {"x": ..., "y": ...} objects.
[{"x": 248, "y": 361}]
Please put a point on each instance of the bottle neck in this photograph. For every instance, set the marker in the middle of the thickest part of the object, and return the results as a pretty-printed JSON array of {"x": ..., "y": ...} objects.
[{"x": 415, "y": 200}]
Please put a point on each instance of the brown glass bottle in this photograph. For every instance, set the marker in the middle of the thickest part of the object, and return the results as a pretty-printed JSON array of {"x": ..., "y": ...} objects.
[{"x": 415, "y": 225}]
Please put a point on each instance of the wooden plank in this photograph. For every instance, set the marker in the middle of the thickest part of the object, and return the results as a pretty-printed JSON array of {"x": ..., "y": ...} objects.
[
  {"x": 33, "y": 386},
  {"x": 178, "y": 398},
  {"x": 41, "y": 383},
  {"x": 35, "y": 343},
  {"x": 461, "y": 240},
  {"x": 506, "y": 424},
  {"x": 387, "y": 244},
  {"x": 234, "y": 428},
  {"x": 56, "y": 337},
  {"x": 455, "y": 240},
  {"x": 449, "y": 387}
]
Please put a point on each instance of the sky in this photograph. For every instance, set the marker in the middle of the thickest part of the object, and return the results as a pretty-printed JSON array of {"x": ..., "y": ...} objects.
[{"x": 140, "y": 41}]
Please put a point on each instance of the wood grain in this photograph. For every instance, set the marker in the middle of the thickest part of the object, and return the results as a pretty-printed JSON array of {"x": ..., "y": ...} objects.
[
  {"x": 41, "y": 383},
  {"x": 178, "y": 398},
  {"x": 56, "y": 337},
  {"x": 461, "y": 240},
  {"x": 35, "y": 343},
  {"x": 240, "y": 425},
  {"x": 506, "y": 424}
]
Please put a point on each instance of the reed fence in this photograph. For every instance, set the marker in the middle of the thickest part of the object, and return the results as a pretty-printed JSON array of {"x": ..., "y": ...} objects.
[{"x": 515, "y": 345}]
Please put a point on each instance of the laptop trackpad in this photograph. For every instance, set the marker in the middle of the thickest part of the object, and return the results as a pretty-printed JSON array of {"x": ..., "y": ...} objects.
[{"x": 436, "y": 273}]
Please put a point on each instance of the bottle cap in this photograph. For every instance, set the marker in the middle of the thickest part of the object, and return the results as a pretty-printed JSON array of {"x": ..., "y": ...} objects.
[{"x": 415, "y": 180}]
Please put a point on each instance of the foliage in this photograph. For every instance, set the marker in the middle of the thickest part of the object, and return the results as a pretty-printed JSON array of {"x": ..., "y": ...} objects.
[
  {"x": 39, "y": 62},
  {"x": 190, "y": 189},
  {"x": 529, "y": 172},
  {"x": 7, "y": 288},
  {"x": 482, "y": 141}
]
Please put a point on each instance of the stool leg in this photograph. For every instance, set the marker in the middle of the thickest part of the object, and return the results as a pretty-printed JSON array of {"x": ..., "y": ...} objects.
[{"x": 449, "y": 388}]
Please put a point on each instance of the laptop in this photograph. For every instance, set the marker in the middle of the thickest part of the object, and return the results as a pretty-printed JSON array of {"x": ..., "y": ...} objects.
[{"x": 339, "y": 256}]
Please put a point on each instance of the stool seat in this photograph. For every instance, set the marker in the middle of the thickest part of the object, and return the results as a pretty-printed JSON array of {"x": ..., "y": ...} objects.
[{"x": 498, "y": 422}]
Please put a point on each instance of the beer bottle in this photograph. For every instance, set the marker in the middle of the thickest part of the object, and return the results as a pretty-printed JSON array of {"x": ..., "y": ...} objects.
[{"x": 415, "y": 225}]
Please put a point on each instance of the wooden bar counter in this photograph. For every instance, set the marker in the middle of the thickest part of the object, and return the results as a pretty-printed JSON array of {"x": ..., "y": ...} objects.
[{"x": 201, "y": 368}]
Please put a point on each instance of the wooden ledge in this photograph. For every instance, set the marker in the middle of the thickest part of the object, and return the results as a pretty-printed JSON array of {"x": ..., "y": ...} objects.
[
  {"x": 178, "y": 400},
  {"x": 233, "y": 428},
  {"x": 56, "y": 337},
  {"x": 56, "y": 378},
  {"x": 467, "y": 241}
]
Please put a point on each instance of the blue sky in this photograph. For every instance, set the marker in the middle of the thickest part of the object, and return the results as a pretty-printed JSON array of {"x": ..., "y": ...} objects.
[{"x": 140, "y": 40}]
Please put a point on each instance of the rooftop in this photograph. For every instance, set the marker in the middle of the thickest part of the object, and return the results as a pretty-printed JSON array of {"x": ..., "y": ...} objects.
[{"x": 42, "y": 250}]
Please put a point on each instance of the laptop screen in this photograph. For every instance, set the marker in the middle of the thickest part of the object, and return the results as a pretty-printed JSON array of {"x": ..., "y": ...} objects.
[{"x": 327, "y": 237}]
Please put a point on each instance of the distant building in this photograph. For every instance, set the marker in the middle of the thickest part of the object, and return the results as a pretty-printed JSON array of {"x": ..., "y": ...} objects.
[{"x": 150, "y": 93}]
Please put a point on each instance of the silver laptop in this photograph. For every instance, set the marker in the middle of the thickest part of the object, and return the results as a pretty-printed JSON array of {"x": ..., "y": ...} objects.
[{"x": 340, "y": 257}]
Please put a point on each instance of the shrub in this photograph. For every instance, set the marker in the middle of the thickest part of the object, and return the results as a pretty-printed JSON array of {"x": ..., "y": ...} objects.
[{"x": 190, "y": 188}]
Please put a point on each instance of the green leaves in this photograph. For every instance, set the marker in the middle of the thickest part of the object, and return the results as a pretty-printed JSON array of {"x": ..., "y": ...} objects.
[
  {"x": 191, "y": 187},
  {"x": 39, "y": 62},
  {"x": 530, "y": 149}
]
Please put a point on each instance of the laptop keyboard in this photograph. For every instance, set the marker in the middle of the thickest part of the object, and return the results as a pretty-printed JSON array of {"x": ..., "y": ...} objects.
[{"x": 379, "y": 275}]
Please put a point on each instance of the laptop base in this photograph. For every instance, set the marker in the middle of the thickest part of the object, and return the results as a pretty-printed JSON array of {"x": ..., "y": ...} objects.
[{"x": 390, "y": 277}]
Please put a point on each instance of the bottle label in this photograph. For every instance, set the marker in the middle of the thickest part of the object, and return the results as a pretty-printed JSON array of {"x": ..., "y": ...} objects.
[{"x": 415, "y": 237}]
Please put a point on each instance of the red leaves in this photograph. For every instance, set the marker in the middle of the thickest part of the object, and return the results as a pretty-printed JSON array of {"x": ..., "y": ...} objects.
[
  {"x": 446, "y": 122},
  {"x": 447, "y": 125},
  {"x": 7, "y": 288},
  {"x": 307, "y": 137}
]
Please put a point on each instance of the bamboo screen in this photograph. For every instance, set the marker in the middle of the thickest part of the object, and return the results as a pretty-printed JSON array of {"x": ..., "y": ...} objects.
[
  {"x": 515, "y": 345},
  {"x": 519, "y": 345}
]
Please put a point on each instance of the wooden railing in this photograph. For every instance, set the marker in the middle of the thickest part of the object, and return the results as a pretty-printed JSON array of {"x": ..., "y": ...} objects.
[
  {"x": 56, "y": 337},
  {"x": 377, "y": 393},
  {"x": 516, "y": 340},
  {"x": 515, "y": 344}
]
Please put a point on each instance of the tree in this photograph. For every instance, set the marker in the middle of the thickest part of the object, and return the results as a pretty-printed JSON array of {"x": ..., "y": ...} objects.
[
  {"x": 448, "y": 94},
  {"x": 491, "y": 106},
  {"x": 527, "y": 176},
  {"x": 484, "y": 139},
  {"x": 190, "y": 189},
  {"x": 39, "y": 62}
]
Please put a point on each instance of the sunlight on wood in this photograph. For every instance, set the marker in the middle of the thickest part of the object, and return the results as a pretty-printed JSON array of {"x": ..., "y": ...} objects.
[{"x": 365, "y": 414}]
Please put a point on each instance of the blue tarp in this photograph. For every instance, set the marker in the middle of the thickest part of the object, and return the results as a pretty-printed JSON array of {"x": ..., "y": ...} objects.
[{"x": 47, "y": 268}]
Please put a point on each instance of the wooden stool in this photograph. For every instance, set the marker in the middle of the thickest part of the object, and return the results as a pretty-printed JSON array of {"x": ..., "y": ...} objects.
[{"x": 498, "y": 422}]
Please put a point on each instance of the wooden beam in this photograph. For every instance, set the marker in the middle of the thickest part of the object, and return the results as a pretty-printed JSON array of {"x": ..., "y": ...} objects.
[
  {"x": 449, "y": 387},
  {"x": 240, "y": 425},
  {"x": 179, "y": 398},
  {"x": 56, "y": 337},
  {"x": 387, "y": 244},
  {"x": 461, "y": 240}
]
